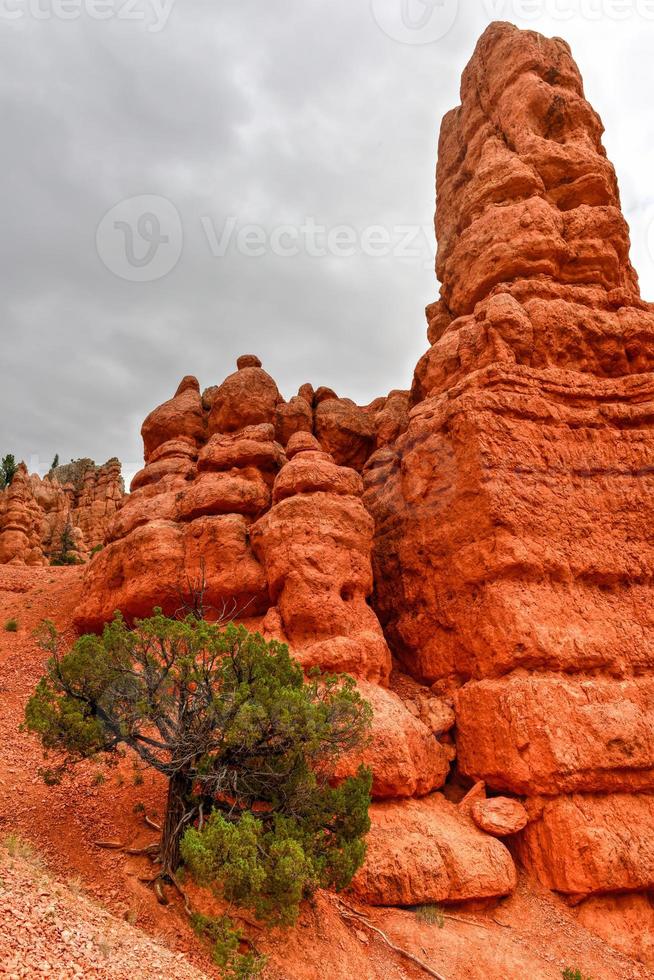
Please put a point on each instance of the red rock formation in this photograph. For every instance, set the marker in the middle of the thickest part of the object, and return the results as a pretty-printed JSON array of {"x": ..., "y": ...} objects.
[
  {"x": 500, "y": 816},
  {"x": 424, "y": 851},
  {"x": 511, "y": 492},
  {"x": 513, "y": 551},
  {"x": 404, "y": 756},
  {"x": 315, "y": 546},
  {"x": 273, "y": 534},
  {"x": 80, "y": 497},
  {"x": 216, "y": 455},
  {"x": 20, "y": 523}
]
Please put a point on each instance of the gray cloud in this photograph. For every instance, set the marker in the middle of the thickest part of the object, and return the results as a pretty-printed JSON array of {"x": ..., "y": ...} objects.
[{"x": 265, "y": 112}]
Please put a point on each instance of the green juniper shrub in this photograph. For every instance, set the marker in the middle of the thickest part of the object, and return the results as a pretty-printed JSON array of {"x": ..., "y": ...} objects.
[
  {"x": 8, "y": 467},
  {"x": 59, "y": 561},
  {"x": 11, "y": 626},
  {"x": 570, "y": 974},
  {"x": 226, "y": 941},
  {"x": 248, "y": 745}
]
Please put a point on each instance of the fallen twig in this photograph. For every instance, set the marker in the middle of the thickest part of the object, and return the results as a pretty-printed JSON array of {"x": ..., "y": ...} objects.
[
  {"x": 468, "y": 922},
  {"x": 109, "y": 845},
  {"x": 151, "y": 850},
  {"x": 350, "y": 913},
  {"x": 151, "y": 823}
]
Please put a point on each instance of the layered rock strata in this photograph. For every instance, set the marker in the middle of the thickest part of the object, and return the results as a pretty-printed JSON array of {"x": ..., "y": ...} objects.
[
  {"x": 501, "y": 533},
  {"x": 80, "y": 499},
  {"x": 514, "y": 554},
  {"x": 246, "y": 508}
]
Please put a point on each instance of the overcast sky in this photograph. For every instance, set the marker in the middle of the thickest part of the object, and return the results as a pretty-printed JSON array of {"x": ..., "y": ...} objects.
[{"x": 289, "y": 116}]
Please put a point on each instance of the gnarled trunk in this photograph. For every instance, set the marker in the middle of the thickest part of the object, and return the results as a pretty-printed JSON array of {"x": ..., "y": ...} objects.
[{"x": 178, "y": 806}]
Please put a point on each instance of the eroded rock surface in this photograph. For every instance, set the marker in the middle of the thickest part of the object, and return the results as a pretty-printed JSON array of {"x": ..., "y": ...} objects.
[
  {"x": 425, "y": 851},
  {"x": 495, "y": 520},
  {"x": 513, "y": 555},
  {"x": 79, "y": 498}
]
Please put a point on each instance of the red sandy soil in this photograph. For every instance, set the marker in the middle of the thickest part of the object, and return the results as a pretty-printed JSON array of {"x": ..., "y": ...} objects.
[{"x": 532, "y": 934}]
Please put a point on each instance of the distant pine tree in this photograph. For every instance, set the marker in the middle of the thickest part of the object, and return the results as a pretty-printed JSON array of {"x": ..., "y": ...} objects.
[
  {"x": 55, "y": 462},
  {"x": 8, "y": 468}
]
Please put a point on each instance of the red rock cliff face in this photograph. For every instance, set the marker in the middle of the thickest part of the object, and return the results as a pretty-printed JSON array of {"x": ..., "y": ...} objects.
[
  {"x": 257, "y": 503},
  {"x": 501, "y": 533},
  {"x": 34, "y": 512},
  {"x": 513, "y": 554}
]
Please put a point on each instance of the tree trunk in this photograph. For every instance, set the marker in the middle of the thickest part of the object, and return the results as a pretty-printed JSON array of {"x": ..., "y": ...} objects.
[{"x": 177, "y": 806}]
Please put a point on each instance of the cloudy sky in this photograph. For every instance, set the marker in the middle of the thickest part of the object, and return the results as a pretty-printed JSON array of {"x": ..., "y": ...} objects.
[{"x": 187, "y": 181}]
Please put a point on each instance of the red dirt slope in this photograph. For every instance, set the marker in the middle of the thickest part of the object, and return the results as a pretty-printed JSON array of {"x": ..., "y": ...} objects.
[{"x": 532, "y": 934}]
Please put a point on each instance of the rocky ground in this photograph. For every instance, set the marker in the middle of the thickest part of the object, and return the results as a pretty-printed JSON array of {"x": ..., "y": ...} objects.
[
  {"x": 51, "y": 929},
  {"x": 69, "y": 908}
]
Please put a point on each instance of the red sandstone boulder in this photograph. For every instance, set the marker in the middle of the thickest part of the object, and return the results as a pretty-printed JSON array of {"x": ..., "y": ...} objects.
[
  {"x": 182, "y": 416},
  {"x": 243, "y": 492},
  {"x": 315, "y": 472},
  {"x": 248, "y": 397},
  {"x": 253, "y": 446},
  {"x": 293, "y": 416},
  {"x": 590, "y": 844},
  {"x": 302, "y": 442},
  {"x": 154, "y": 564},
  {"x": 424, "y": 851},
  {"x": 499, "y": 816},
  {"x": 392, "y": 419},
  {"x": 344, "y": 430},
  {"x": 555, "y": 735},
  {"x": 405, "y": 758},
  {"x": 182, "y": 466},
  {"x": 152, "y": 502}
]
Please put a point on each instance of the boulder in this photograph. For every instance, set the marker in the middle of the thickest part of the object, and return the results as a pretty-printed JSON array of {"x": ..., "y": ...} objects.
[
  {"x": 500, "y": 816},
  {"x": 590, "y": 844},
  {"x": 157, "y": 563},
  {"x": 181, "y": 416},
  {"x": 425, "y": 851},
  {"x": 344, "y": 430},
  {"x": 247, "y": 397},
  {"x": 541, "y": 735},
  {"x": 405, "y": 758}
]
